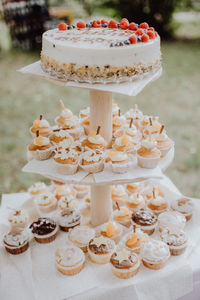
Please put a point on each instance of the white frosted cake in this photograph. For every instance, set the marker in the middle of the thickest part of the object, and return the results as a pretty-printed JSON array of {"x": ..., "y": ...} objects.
[{"x": 101, "y": 51}]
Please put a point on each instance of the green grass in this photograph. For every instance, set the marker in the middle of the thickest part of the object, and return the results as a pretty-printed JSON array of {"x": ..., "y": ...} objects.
[{"x": 174, "y": 97}]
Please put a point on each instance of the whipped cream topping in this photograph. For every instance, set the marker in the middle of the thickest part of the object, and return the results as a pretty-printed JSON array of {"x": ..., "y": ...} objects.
[
  {"x": 120, "y": 140},
  {"x": 92, "y": 155},
  {"x": 70, "y": 123},
  {"x": 183, "y": 205},
  {"x": 118, "y": 190},
  {"x": 69, "y": 217},
  {"x": 119, "y": 120},
  {"x": 18, "y": 217},
  {"x": 131, "y": 131},
  {"x": 161, "y": 137},
  {"x": 67, "y": 113},
  {"x": 64, "y": 190},
  {"x": 63, "y": 134},
  {"x": 84, "y": 112},
  {"x": 149, "y": 144},
  {"x": 171, "y": 219},
  {"x": 136, "y": 198},
  {"x": 65, "y": 143},
  {"x": 44, "y": 123},
  {"x": 37, "y": 186},
  {"x": 173, "y": 237},
  {"x": 119, "y": 156},
  {"x": 69, "y": 256},
  {"x": 105, "y": 226},
  {"x": 155, "y": 251},
  {"x": 151, "y": 129},
  {"x": 82, "y": 234},
  {"x": 41, "y": 141},
  {"x": 45, "y": 199},
  {"x": 122, "y": 212},
  {"x": 157, "y": 201},
  {"x": 16, "y": 239},
  {"x": 65, "y": 153},
  {"x": 97, "y": 139},
  {"x": 140, "y": 235}
]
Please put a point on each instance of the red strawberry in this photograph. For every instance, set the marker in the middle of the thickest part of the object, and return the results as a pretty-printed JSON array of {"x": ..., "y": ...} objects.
[
  {"x": 62, "y": 26},
  {"x": 80, "y": 24},
  {"x": 96, "y": 23},
  {"x": 124, "y": 19},
  {"x": 151, "y": 34},
  {"x": 156, "y": 34},
  {"x": 112, "y": 24},
  {"x": 151, "y": 28},
  {"x": 104, "y": 21},
  {"x": 145, "y": 38},
  {"x": 124, "y": 24},
  {"x": 139, "y": 32},
  {"x": 132, "y": 26},
  {"x": 144, "y": 25},
  {"x": 133, "y": 39}
]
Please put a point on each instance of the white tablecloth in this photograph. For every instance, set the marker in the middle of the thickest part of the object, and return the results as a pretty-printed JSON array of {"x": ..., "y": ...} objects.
[{"x": 34, "y": 283}]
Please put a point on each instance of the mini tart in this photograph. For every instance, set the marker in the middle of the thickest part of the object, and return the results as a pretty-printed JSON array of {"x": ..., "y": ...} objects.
[
  {"x": 66, "y": 114},
  {"x": 111, "y": 230},
  {"x": 80, "y": 190},
  {"x": 100, "y": 249},
  {"x": 69, "y": 260},
  {"x": 64, "y": 190},
  {"x": 68, "y": 219},
  {"x": 37, "y": 188},
  {"x": 155, "y": 254},
  {"x": 125, "y": 143},
  {"x": 120, "y": 162},
  {"x": 66, "y": 161},
  {"x": 59, "y": 135},
  {"x": 118, "y": 194},
  {"x": 122, "y": 216},
  {"x": 67, "y": 201},
  {"x": 16, "y": 242},
  {"x": 43, "y": 127},
  {"x": 44, "y": 230},
  {"x": 148, "y": 155},
  {"x": 164, "y": 143},
  {"x": 124, "y": 264},
  {"x": 134, "y": 240},
  {"x": 80, "y": 236},
  {"x": 171, "y": 219},
  {"x": 157, "y": 204},
  {"x": 133, "y": 188},
  {"x": 94, "y": 141},
  {"x": 175, "y": 239},
  {"x": 41, "y": 148},
  {"x": 92, "y": 161},
  {"x": 145, "y": 220},
  {"x": 46, "y": 203},
  {"x": 184, "y": 206},
  {"x": 135, "y": 201},
  {"x": 18, "y": 219}
]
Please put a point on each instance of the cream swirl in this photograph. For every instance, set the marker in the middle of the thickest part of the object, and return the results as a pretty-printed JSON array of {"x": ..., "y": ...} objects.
[
  {"x": 155, "y": 251},
  {"x": 41, "y": 141},
  {"x": 149, "y": 144},
  {"x": 45, "y": 199},
  {"x": 97, "y": 139},
  {"x": 122, "y": 212},
  {"x": 44, "y": 123},
  {"x": 69, "y": 256},
  {"x": 65, "y": 154},
  {"x": 63, "y": 134},
  {"x": 37, "y": 186},
  {"x": 136, "y": 198},
  {"x": 67, "y": 113},
  {"x": 157, "y": 201},
  {"x": 171, "y": 219},
  {"x": 118, "y": 190},
  {"x": 16, "y": 239},
  {"x": 119, "y": 156},
  {"x": 82, "y": 234}
]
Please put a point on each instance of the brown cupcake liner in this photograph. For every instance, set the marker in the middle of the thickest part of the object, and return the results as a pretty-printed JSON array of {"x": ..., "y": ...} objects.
[
  {"x": 176, "y": 252},
  {"x": 67, "y": 228},
  {"x": 46, "y": 240},
  {"x": 154, "y": 266},
  {"x": 19, "y": 250}
]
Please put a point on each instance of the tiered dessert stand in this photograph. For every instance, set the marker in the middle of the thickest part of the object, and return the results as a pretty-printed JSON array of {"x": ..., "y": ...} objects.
[{"x": 100, "y": 115}]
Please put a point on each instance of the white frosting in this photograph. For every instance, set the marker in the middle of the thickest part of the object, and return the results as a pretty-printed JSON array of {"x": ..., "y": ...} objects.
[
  {"x": 18, "y": 217},
  {"x": 157, "y": 201},
  {"x": 69, "y": 256},
  {"x": 69, "y": 219},
  {"x": 97, "y": 139},
  {"x": 37, "y": 186},
  {"x": 92, "y": 47},
  {"x": 66, "y": 113},
  {"x": 45, "y": 141},
  {"x": 119, "y": 121},
  {"x": 161, "y": 137},
  {"x": 119, "y": 140},
  {"x": 118, "y": 190},
  {"x": 63, "y": 134},
  {"x": 69, "y": 123},
  {"x": 136, "y": 198},
  {"x": 105, "y": 225},
  {"x": 15, "y": 240},
  {"x": 185, "y": 207},
  {"x": 173, "y": 238},
  {"x": 149, "y": 144},
  {"x": 44, "y": 123},
  {"x": 45, "y": 199},
  {"x": 65, "y": 191},
  {"x": 65, "y": 154},
  {"x": 134, "y": 113},
  {"x": 131, "y": 131},
  {"x": 155, "y": 251},
  {"x": 92, "y": 155},
  {"x": 82, "y": 234},
  {"x": 171, "y": 219},
  {"x": 120, "y": 156},
  {"x": 65, "y": 143},
  {"x": 121, "y": 212},
  {"x": 85, "y": 112}
]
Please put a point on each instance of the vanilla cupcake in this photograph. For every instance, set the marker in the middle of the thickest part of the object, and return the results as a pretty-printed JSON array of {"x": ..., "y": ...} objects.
[
  {"x": 145, "y": 219},
  {"x": 118, "y": 194},
  {"x": 171, "y": 219},
  {"x": 164, "y": 143},
  {"x": 184, "y": 206},
  {"x": 80, "y": 236},
  {"x": 133, "y": 188},
  {"x": 59, "y": 135},
  {"x": 120, "y": 161},
  {"x": 68, "y": 219},
  {"x": 124, "y": 264},
  {"x": 135, "y": 201},
  {"x": 42, "y": 125},
  {"x": 148, "y": 155},
  {"x": 41, "y": 148},
  {"x": 65, "y": 115},
  {"x": 37, "y": 189},
  {"x": 111, "y": 230},
  {"x": 16, "y": 242},
  {"x": 175, "y": 239},
  {"x": 100, "y": 249},
  {"x": 69, "y": 260},
  {"x": 66, "y": 161},
  {"x": 46, "y": 203},
  {"x": 80, "y": 190},
  {"x": 122, "y": 215},
  {"x": 133, "y": 241},
  {"x": 92, "y": 161},
  {"x": 151, "y": 190},
  {"x": 18, "y": 219},
  {"x": 125, "y": 143},
  {"x": 155, "y": 254},
  {"x": 44, "y": 230},
  {"x": 64, "y": 190},
  {"x": 67, "y": 201},
  {"x": 95, "y": 141},
  {"x": 157, "y": 204}
]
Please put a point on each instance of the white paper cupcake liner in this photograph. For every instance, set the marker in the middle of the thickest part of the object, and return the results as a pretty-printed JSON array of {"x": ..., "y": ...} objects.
[
  {"x": 93, "y": 168},
  {"x": 66, "y": 169},
  {"x": 40, "y": 154},
  {"x": 121, "y": 168},
  {"x": 165, "y": 150},
  {"x": 148, "y": 163}
]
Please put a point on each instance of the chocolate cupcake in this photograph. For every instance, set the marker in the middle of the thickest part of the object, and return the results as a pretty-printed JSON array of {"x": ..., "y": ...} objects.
[
  {"x": 145, "y": 220},
  {"x": 16, "y": 242},
  {"x": 124, "y": 264},
  {"x": 44, "y": 230},
  {"x": 100, "y": 249},
  {"x": 69, "y": 218},
  {"x": 175, "y": 239}
]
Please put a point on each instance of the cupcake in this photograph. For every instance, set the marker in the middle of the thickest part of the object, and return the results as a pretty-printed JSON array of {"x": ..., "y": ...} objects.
[
  {"x": 124, "y": 264},
  {"x": 70, "y": 260},
  {"x": 80, "y": 236},
  {"x": 16, "y": 241},
  {"x": 18, "y": 219},
  {"x": 122, "y": 215},
  {"x": 43, "y": 126},
  {"x": 118, "y": 194},
  {"x": 133, "y": 188},
  {"x": 66, "y": 161},
  {"x": 111, "y": 230},
  {"x": 128, "y": 129},
  {"x": 95, "y": 141},
  {"x": 148, "y": 155},
  {"x": 135, "y": 201},
  {"x": 125, "y": 143},
  {"x": 171, "y": 219},
  {"x": 59, "y": 135},
  {"x": 37, "y": 189},
  {"x": 100, "y": 249},
  {"x": 118, "y": 122},
  {"x": 80, "y": 190},
  {"x": 175, "y": 239},
  {"x": 134, "y": 240},
  {"x": 134, "y": 113},
  {"x": 64, "y": 190},
  {"x": 184, "y": 206},
  {"x": 44, "y": 230},
  {"x": 151, "y": 129},
  {"x": 67, "y": 201},
  {"x": 150, "y": 191},
  {"x": 68, "y": 219},
  {"x": 41, "y": 148},
  {"x": 157, "y": 204},
  {"x": 65, "y": 115},
  {"x": 73, "y": 127},
  {"x": 145, "y": 220},
  {"x": 164, "y": 143},
  {"x": 92, "y": 161},
  {"x": 46, "y": 203},
  {"x": 120, "y": 161}
]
